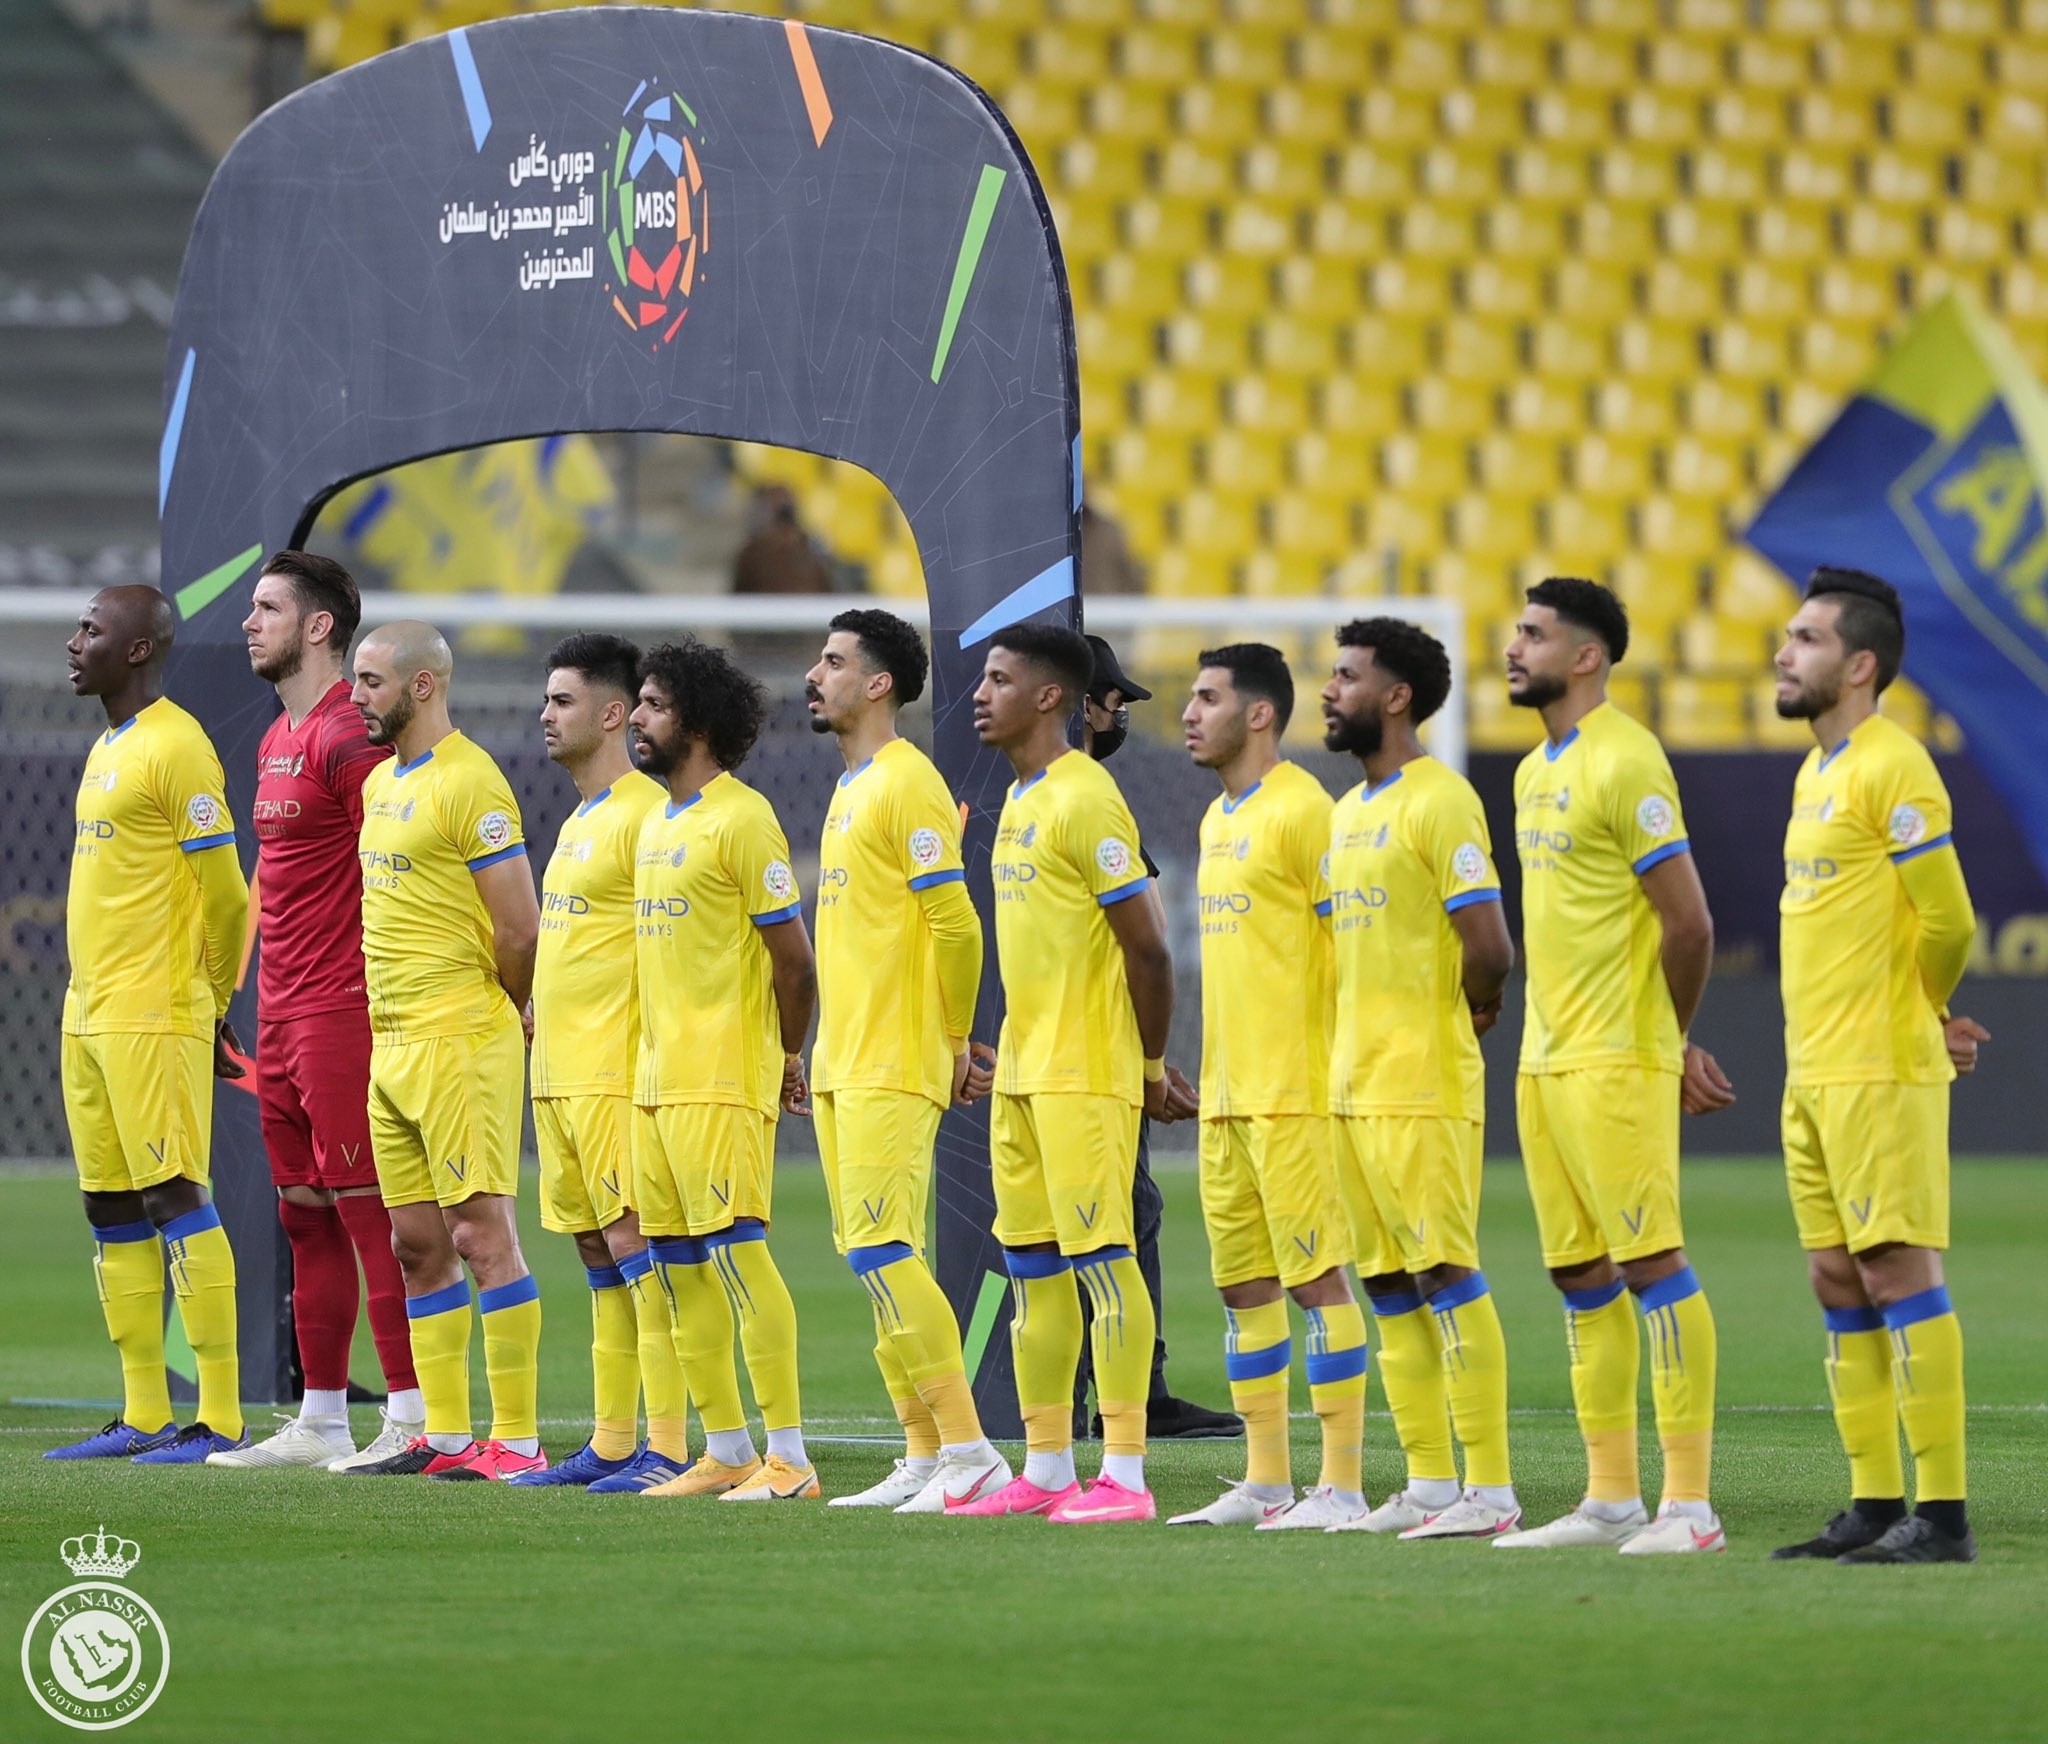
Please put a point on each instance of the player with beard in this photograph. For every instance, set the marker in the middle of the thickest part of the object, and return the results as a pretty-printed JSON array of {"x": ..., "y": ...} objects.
[{"x": 313, "y": 1015}]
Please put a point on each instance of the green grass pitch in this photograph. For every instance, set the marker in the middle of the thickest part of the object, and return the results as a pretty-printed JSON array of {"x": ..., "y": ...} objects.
[{"x": 307, "y": 1606}]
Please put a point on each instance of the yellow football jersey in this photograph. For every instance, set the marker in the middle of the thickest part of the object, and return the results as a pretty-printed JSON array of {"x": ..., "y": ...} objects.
[
  {"x": 1404, "y": 857},
  {"x": 1592, "y": 815},
  {"x": 1855, "y": 1009},
  {"x": 429, "y": 826},
  {"x": 1066, "y": 849},
  {"x": 152, "y": 793},
  {"x": 586, "y": 1013},
  {"x": 1264, "y": 903},
  {"x": 710, "y": 873},
  {"x": 893, "y": 830}
]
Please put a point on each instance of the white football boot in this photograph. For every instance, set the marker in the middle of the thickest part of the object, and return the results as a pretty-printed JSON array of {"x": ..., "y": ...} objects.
[{"x": 1239, "y": 1505}]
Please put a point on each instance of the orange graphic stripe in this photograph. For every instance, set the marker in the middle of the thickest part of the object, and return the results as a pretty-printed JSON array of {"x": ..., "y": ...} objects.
[
  {"x": 816, "y": 103},
  {"x": 690, "y": 163}
]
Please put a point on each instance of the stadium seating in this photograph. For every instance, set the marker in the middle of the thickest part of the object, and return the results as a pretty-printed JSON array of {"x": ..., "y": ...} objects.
[{"x": 1519, "y": 283}]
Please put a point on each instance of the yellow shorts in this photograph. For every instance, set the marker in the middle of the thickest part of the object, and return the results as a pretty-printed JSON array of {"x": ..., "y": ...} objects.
[
  {"x": 698, "y": 1167},
  {"x": 1411, "y": 1189},
  {"x": 1867, "y": 1163},
  {"x": 444, "y": 1115},
  {"x": 140, "y": 1108},
  {"x": 1601, "y": 1150},
  {"x": 586, "y": 1160},
  {"x": 1063, "y": 1166},
  {"x": 876, "y": 1146},
  {"x": 1269, "y": 1199}
]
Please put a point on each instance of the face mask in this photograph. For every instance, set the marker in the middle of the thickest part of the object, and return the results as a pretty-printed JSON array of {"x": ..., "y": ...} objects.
[{"x": 1106, "y": 742}]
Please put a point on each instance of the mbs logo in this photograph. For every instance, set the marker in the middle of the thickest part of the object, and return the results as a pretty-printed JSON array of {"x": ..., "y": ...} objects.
[{"x": 658, "y": 216}]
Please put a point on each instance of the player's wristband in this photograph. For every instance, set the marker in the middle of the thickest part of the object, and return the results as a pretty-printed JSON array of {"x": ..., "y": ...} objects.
[{"x": 1155, "y": 1070}]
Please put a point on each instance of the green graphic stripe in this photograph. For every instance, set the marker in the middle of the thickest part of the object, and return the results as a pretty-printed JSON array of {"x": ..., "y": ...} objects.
[
  {"x": 983, "y": 1322},
  {"x": 626, "y": 216},
  {"x": 619, "y": 162},
  {"x": 978, "y": 217},
  {"x": 195, "y": 596},
  {"x": 684, "y": 107}
]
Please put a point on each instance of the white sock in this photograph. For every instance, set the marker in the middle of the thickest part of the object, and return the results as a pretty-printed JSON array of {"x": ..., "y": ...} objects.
[
  {"x": 788, "y": 1444},
  {"x": 1611, "y": 1511},
  {"x": 1352, "y": 1499},
  {"x": 529, "y": 1445},
  {"x": 1703, "y": 1512},
  {"x": 729, "y": 1446},
  {"x": 1493, "y": 1495},
  {"x": 921, "y": 1467},
  {"x": 406, "y": 1406},
  {"x": 324, "y": 1405},
  {"x": 451, "y": 1443},
  {"x": 1050, "y": 1471},
  {"x": 979, "y": 1452},
  {"x": 1270, "y": 1492},
  {"x": 1432, "y": 1492},
  {"x": 1127, "y": 1469}
]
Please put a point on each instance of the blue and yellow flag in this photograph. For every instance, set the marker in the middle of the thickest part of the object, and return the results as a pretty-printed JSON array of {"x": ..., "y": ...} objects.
[{"x": 1932, "y": 477}]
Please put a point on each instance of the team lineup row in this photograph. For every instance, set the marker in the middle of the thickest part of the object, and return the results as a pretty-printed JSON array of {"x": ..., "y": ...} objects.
[{"x": 1353, "y": 954}]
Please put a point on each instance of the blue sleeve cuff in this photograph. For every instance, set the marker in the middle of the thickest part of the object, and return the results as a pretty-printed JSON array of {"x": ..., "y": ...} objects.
[
  {"x": 1123, "y": 892},
  {"x": 227, "y": 837},
  {"x": 1467, "y": 898},
  {"x": 1919, "y": 848},
  {"x": 511, "y": 853},
  {"x": 1323, "y": 907},
  {"x": 776, "y": 916},
  {"x": 926, "y": 880},
  {"x": 1657, "y": 856}
]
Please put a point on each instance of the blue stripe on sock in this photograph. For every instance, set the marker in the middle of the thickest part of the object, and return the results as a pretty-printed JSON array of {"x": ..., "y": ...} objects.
[
  {"x": 1335, "y": 1365},
  {"x": 1586, "y": 1301},
  {"x": 873, "y": 1259},
  {"x": 1405, "y": 1302},
  {"x": 113, "y": 1234},
  {"x": 679, "y": 1250},
  {"x": 1682, "y": 1283},
  {"x": 743, "y": 1229},
  {"x": 184, "y": 1228},
  {"x": 1927, "y": 1305},
  {"x": 509, "y": 1295},
  {"x": 437, "y": 1302},
  {"x": 1253, "y": 1365},
  {"x": 603, "y": 1278},
  {"x": 1458, "y": 1294},
  {"x": 1853, "y": 1319},
  {"x": 634, "y": 1267},
  {"x": 1035, "y": 1265}
]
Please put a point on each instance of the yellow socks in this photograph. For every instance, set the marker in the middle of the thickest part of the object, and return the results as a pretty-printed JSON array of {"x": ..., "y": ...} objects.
[
  {"x": 767, "y": 1319},
  {"x": 439, "y": 1324},
  {"x": 1045, "y": 1346},
  {"x": 128, "y": 1272},
  {"x": 1475, "y": 1357},
  {"x": 1859, "y": 1368},
  {"x": 700, "y": 1326},
  {"x": 1606, "y": 1356},
  {"x": 1412, "y": 1376},
  {"x": 1258, "y": 1351},
  {"x": 920, "y": 1428},
  {"x": 1336, "y": 1387},
  {"x": 1927, "y": 1364},
  {"x": 203, "y": 1275},
  {"x": 512, "y": 1358},
  {"x": 614, "y": 1364},
  {"x": 1122, "y": 1332},
  {"x": 917, "y": 1323},
  {"x": 1683, "y": 1357},
  {"x": 661, "y": 1376}
]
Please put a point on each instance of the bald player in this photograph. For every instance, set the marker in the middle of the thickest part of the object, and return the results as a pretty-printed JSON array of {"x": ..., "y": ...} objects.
[
  {"x": 450, "y": 926},
  {"x": 153, "y": 923}
]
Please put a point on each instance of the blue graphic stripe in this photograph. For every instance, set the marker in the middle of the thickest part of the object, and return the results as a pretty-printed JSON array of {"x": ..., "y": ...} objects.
[
  {"x": 1401, "y": 1302},
  {"x": 511, "y": 853},
  {"x": 634, "y": 1267},
  {"x": 1458, "y": 1294},
  {"x": 1468, "y": 898},
  {"x": 1035, "y": 1265},
  {"x": 873, "y": 1259},
  {"x": 1122, "y": 893},
  {"x": 114, "y": 1234},
  {"x": 1928, "y": 847},
  {"x": 1256, "y": 1365},
  {"x": 1657, "y": 856},
  {"x": 776, "y": 916},
  {"x": 174, "y": 430},
  {"x": 510, "y": 1295},
  {"x": 1853, "y": 1319},
  {"x": 447, "y": 1301},
  {"x": 473, "y": 100},
  {"x": 1589, "y": 1301},
  {"x": 1047, "y": 588},
  {"x": 1336, "y": 1365},
  {"x": 192, "y": 1223},
  {"x": 1927, "y": 1305},
  {"x": 225, "y": 839},
  {"x": 1323, "y": 908},
  {"x": 952, "y": 875},
  {"x": 605, "y": 1277},
  {"x": 1665, "y": 1291}
]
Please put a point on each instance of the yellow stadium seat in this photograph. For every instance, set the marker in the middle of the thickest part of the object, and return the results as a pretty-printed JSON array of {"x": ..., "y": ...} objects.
[
  {"x": 1891, "y": 19},
  {"x": 1287, "y": 170},
  {"x": 1482, "y": 116},
  {"x": 1524, "y": 467},
  {"x": 1164, "y": 227},
  {"x": 1550, "y": 175},
  {"x": 1858, "y": 66},
  {"x": 1453, "y": 408},
  {"x": 1437, "y": 233},
  {"x": 1353, "y": 409},
  {"x": 1447, "y": 17},
  {"x": 1705, "y": 714},
  {"x": 2016, "y": 119},
  {"x": 1809, "y": 19},
  {"x": 988, "y": 51},
  {"x": 1481, "y": 586},
  {"x": 1341, "y": 231},
  {"x": 1497, "y": 287},
  {"x": 1772, "y": 294},
  {"x": 1576, "y": 116},
  {"x": 1659, "y": 595},
  {"x": 1591, "y": 291},
  {"x": 1313, "y": 114},
  {"x": 1391, "y": 116},
  {"x": 1492, "y": 723},
  {"x": 1254, "y": 58},
  {"x": 1835, "y": 357},
  {"x": 1492, "y": 529},
  {"x": 1512, "y": 60},
  {"x": 1621, "y": 235},
  {"x": 1477, "y": 350},
  {"x": 1702, "y": 470},
  {"x": 1709, "y": 17},
  {"x": 1681, "y": 528},
  {"x": 1817, "y": 175},
  {"x": 1381, "y": 17},
  {"x": 1827, "y": 118},
  {"x": 1668, "y": 118},
  {"x": 1804, "y": 411},
  {"x": 1744, "y": 351},
  {"x": 1683, "y": 62},
  {"x": 1137, "y": 284},
  {"x": 1115, "y": 347},
  {"x": 1266, "y": 575},
  {"x": 1903, "y": 178},
  {"x": 1586, "y": 533},
  {"x": 1979, "y": 19},
  {"x": 1225, "y": 282},
  {"x": 1610, "y": 468},
  {"x": 1745, "y": 117},
  {"x": 1120, "y": 110},
  {"x": 1544, "y": 408},
  {"x": 1108, "y": 169},
  {"x": 1652, "y": 354},
  {"x": 1315, "y": 529},
  {"x": 1936, "y": 121},
  {"x": 1291, "y": 346},
  {"x": 2023, "y": 294},
  {"x": 1875, "y": 233},
  {"x": 1564, "y": 349},
  {"x": 1175, "y": 405},
  {"x": 1637, "y": 175},
  {"x": 1642, "y": 410},
  {"x": 1526, "y": 233},
  {"x": 1222, "y": 111},
  {"x": 1411, "y": 531},
  {"x": 1709, "y": 234},
  {"x": 1752, "y": 591},
  {"x": 1088, "y": 233},
  {"x": 1260, "y": 230},
  {"x": 1192, "y": 572},
  {"x": 1793, "y": 233},
  {"x": 1146, "y": 463},
  {"x": 1321, "y": 289},
  {"x": 1730, "y": 175},
  {"x": 1209, "y": 521},
  {"x": 1429, "y": 468},
  {"x": 1733, "y": 410},
  {"x": 1683, "y": 290},
  {"x": 1538, "y": 17},
  {"x": 1409, "y": 287},
  {"x": 1338, "y": 58},
  {"x": 1268, "y": 404},
  {"x": 1459, "y": 175},
  {"x": 1327, "y": 465},
  {"x": 1156, "y": 56},
  {"x": 1217, "y": 343},
  {"x": 1238, "y": 463},
  {"x": 1767, "y": 63},
  {"x": 1378, "y": 176},
  {"x": 2023, "y": 61},
  {"x": 1419, "y": 61},
  {"x": 1994, "y": 181},
  {"x": 1068, "y": 58},
  {"x": 1045, "y": 118},
  {"x": 1947, "y": 65},
  {"x": 1964, "y": 238},
  {"x": 1200, "y": 169},
  {"x": 1855, "y": 292}
]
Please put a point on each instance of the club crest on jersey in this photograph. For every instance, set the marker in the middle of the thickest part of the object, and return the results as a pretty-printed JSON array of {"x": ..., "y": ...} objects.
[
  {"x": 494, "y": 829},
  {"x": 1908, "y": 825},
  {"x": 1654, "y": 814},
  {"x": 204, "y": 810},
  {"x": 1243, "y": 848},
  {"x": 1468, "y": 862},
  {"x": 1113, "y": 856},
  {"x": 1827, "y": 808},
  {"x": 925, "y": 848},
  {"x": 779, "y": 881}
]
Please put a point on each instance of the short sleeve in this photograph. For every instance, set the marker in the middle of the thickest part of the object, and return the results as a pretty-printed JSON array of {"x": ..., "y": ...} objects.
[
  {"x": 1459, "y": 851},
  {"x": 1102, "y": 838},
  {"x": 759, "y": 861},
  {"x": 926, "y": 826},
  {"x": 1642, "y": 810},
  {"x": 482, "y": 818},
  {"x": 1909, "y": 806},
  {"x": 193, "y": 793}
]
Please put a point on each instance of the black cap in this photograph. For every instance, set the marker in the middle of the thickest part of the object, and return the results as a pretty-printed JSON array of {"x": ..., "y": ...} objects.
[{"x": 1110, "y": 676}]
